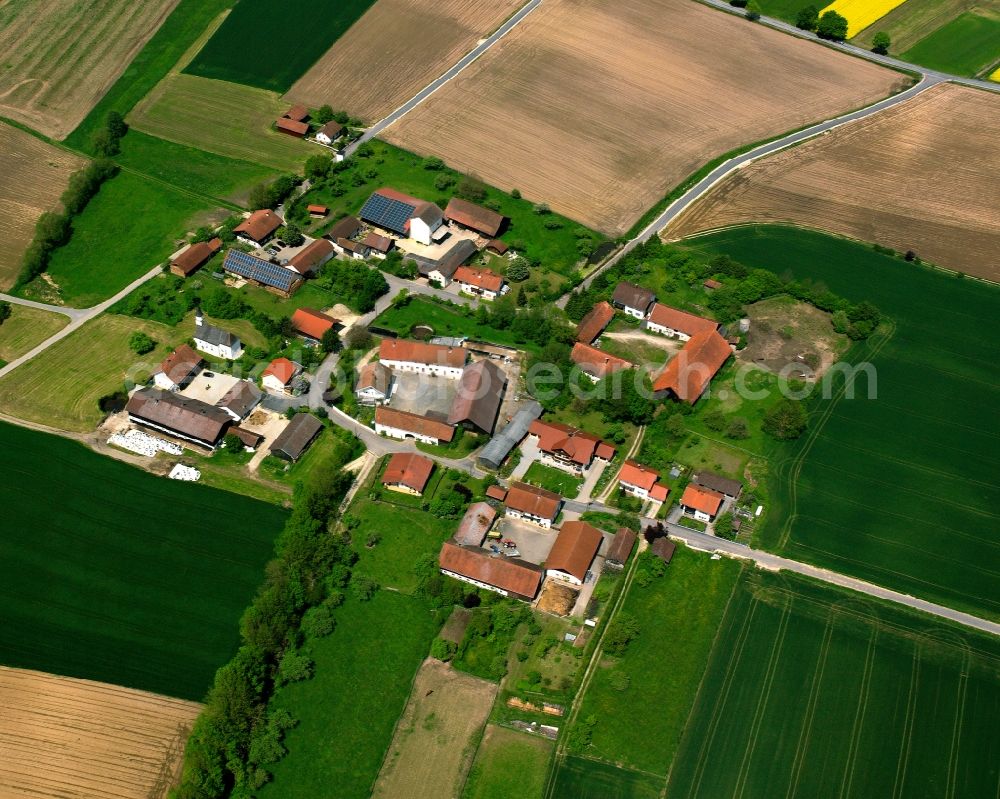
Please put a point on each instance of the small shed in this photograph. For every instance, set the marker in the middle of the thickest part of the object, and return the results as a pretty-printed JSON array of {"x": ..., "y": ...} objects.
[{"x": 297, "y": 436}]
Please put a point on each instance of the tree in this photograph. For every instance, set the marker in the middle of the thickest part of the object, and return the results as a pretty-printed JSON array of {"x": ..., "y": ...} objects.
[
  {"x": 753, "y": 11},
  {"x": 294, "y": 667},
  {"x": 318, "y": 166},
  {"x": 291, "y": 235},
  {"x": 522, "y": 297},
  {"x": 5, "y": 311},
  {"x": 433, "y": 163},
  {"x": 832, "y": 26},
  {"x": 258, "y": 197},
  {"x": 518, "y": 270},
  {"x": 116, "y": 125},
  {"x": 232, "y": 443},
  {"x": 330, "y": 341},
  {"x": 715, "y": 420},
  {"x": 881, "y": 43},
  {"x": 324, "y": 114},
  {"x": 104, "y": 144},
  {"x": 786, "y": 420},
  {"x": 626, "y": 397},
  {"x": 472, "y": 190},
  {"x": 542, "y": 209},
  {"x": 621, "y": 631},
  {"x": 515, "y": 194},
  {"x": 738, "y": 429},
  {"x": 358, "y": 338},
  {"x": 675, "y": 427},
  {"x": 442, "y": 649},
  {"x": 807, "y": 18},
  {"x": 140, "y": 343}
]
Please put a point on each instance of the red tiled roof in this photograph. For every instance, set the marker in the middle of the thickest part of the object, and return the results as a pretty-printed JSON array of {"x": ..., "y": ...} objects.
[
  {"x": 596, "y": 362},
  {"x": 408, "y": 469},
  {"x": 497, "y": 492},
  {"x": 292, "y": 126},
  {"x": 312, "y": 323},
  {"x": 378, "y": 242},
  {"x": 687, "y": 323},
  {"x": 298, "y": 112},
  {"x": 638, "y": 475},
  {"x": 574, "y": 549},
  {"x": 578, "y": 446},
  {"x": 530, "y": 499},
  {"x": 712, "y": 284},
  {"x": 605, "y": 451},
  {"x": 318, "y": 209},
  {"x": 692, "y": 369},
  {"x": 375, "y": 375},
  {"x": 397, "y": 349},
  {"x": 281, "y": 368},
  {"x": 260, "y": 224},
  {"x": 308, "y": 258},
  {"x": 485, "y": 279},
  {"x": 195, "y": 255},
  {"x": 593, "y": 324},
  {"x": 702, "y": 499},
  {"x": 508, "y": 574},
  {"x": 621, "y": 545},
  {"x": 413, "y": 423},
  {"x": 475, "y": 524},
  {"x": 474, "y": 216},
  {"x": 179, "y": 364},
  {"x": 499, "y": 247},
  {"x": 660, "y": 492}
]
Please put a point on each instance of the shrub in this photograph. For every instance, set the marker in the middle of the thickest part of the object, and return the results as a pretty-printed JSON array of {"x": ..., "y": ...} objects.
[
  {"x": 785, "y": 421},
  {"x": 518, "y": 270},
  {"x": 443, "y": 649},
  {"x": 621, "y": 631},
  {"x": 619, "y": 680},
  {"x": 140, "y": 343},
  {"x": 294, "y": 667},
  {"x": 881, "y": 43},
  {"x": 5, "y": 311},
  {"x": 318, "y": 622}
]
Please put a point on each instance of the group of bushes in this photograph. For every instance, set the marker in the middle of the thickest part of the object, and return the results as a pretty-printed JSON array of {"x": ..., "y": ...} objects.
[
  {"x": 238, "y": 734},
  {"x": 353, "y": 283}
]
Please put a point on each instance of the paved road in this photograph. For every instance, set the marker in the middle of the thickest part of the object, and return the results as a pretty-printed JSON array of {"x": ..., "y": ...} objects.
[
  {"x": 432, "y": 87},
  {"x": 78, "y": 317}
]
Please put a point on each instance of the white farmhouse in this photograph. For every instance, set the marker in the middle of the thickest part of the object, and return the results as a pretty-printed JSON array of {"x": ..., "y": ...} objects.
[
  {"x": 422, "y": 358},
  {"x": 215, "y": 341},
  {"x": 677, "y": 324},
  {"x": 405, "y": 425}
]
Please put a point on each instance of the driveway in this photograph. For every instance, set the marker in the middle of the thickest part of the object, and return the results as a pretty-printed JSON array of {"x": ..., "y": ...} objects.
[
  {"x": 533, "y": 542},
  {"x": 529, "y": 454},
  {"x": 590, "y": 481},
  {"x": 423, "y": 394}
]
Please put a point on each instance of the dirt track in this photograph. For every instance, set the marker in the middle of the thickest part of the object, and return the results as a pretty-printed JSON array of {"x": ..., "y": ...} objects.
[
  {"x": 922, "y": 176},
  {"x": 62, "y": 738},
  {"x": 602, "y": 132}
]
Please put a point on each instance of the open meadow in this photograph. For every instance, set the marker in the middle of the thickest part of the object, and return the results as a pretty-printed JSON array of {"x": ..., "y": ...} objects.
[
  {"x": 270, "y": 45},
  {"x": 222, "y": 118},
  {"x": 417, "y": 42},
  {"x": 509, "y": 763},
  {"x": 63, "y": 737},
  {"x": 898, "y": 489},
  {"x": 35, "y": 174},
  {"x": 435, "y": 738},
  {"x": 26, "y": 328},
  {"x": 813, "y": 691},
  {"x": 922, "y": 176},
  {"x": 658, "y": 104},
  {"x": 61, "y": 386},
  {"x": 347, "y": 712},
  {"x": 112, "y": 574},
  {"x": 967, "y": 45},
  {"x": 61, "y": 56}
]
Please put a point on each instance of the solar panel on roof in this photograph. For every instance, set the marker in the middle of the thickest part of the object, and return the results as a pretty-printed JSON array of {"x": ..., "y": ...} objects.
[
  {"x": 387, "y": 213},
  {"x": 253, "y": 268}
]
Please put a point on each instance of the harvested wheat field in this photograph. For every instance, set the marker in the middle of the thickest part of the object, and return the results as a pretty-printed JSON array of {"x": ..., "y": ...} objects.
[
  {"x": 599, "y": 108},
  {"x": 922, "y": 176},
  {"x": 431, "y": 751},
  {"x": 34, "y": 175},
  {"x": 61, "y": 56},
  {"x": 417, "y": 41},
  {"x": 78, "y": 739}
]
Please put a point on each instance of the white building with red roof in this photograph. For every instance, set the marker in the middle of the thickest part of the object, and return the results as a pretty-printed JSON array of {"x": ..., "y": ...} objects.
[
  {"x": 702, "y": 503},
  {"x": 480, "y": 282},
  {"x": 642, "y": 482},
  {"x": 422, "y": 358},
  {"x": 279, "y": 374},
  {"x": 676, "y": 323},
  {"x": 567, "y": 447}
]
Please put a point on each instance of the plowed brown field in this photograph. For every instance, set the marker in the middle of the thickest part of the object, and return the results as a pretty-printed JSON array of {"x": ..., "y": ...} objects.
[
  {"x": 61, "y": 56},
  {"x": 77, "y": 739},
  {"x": 32, "y": 176},
  {"x": 394, "y": 50},
  {"x": 922, "y": 176},
  {"x": 599, "y": 108}
]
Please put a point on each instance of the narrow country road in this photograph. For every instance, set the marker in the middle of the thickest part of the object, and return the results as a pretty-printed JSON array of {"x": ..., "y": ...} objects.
[{"x": 437, "y": 83}]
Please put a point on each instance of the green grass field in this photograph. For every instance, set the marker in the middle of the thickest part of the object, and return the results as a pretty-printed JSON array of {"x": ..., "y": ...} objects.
[
  {"x": 679, "y": 615},
  {"x": 508, "y": 763},
  {"x": 896, "y": 490},
  {"x": 271, "y": 45},
  {"x": 191, "y": 169},
  {"x": 111, "y": 574},
  {"x": 964, "y": 46},
  {"x": 812, "y": 691},
  {"x": 178, "y": 32},
  {"x": 347, "y": 713},
  {"x": 26, "y": 328},
  {"x": 553, "y": 479},
  {"x": 789, "y": 9},
  {"x": 580, "y": 778},
  {"x": 128, "y": 228}
]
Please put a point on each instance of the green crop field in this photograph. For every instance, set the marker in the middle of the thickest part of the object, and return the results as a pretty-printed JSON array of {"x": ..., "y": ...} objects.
[
  {"x": 347, "y": 712},
  {"x": 128, "y": 228},
  {"x": 813, "y": 691},
  {"x": 26, "y": 328},
  {"x": 579, "y": 778},
  {"x": 508, "y": 763},
  {"x": 271, "y": 45},
  {"x": 898, "y": 490},
  {"x": 789, "y": 9},
  {"x": 112, "y": 574},
  {"x": 679, "y": 615},
  {"x": 965, "y": 46}
]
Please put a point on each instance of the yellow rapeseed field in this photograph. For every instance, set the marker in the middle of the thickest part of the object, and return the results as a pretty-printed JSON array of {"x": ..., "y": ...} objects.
[
  {"x": 995, "y": 75},
  {"x": 861, "y": 13}
]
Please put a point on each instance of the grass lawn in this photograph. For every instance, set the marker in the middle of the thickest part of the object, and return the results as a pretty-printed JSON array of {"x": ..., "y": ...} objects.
[
  {"x": 893, "y": 489},
  {"x": 111, "y": 574},
  {"x": 179, "y": 31},
  {"x": 347, "y": 713},
  {"x": 555, "y": 659},
  {"x": 26, "y": 328},
  {"x": 509, "y": 763},
  {"x": 406, "y": 535},
  {"x": 553, "y": 479},
  {"x": 679, "y": 615},
  {"x": 580, "y": 778},
  {"x": 128, "y": 228},
  {"x": 229, "y": 476},
  {"x": 814, "y": 691},
  {"x": 272, "y": 45},
  {"x": 223, "y": 118},
  {"x": 964, "y": 46},
  {"x": 464, "y": 442},
  {"x": 61, "y": 386},
  {"x": 555, "y": 249},
  {"x": 192, "y": 169}
]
